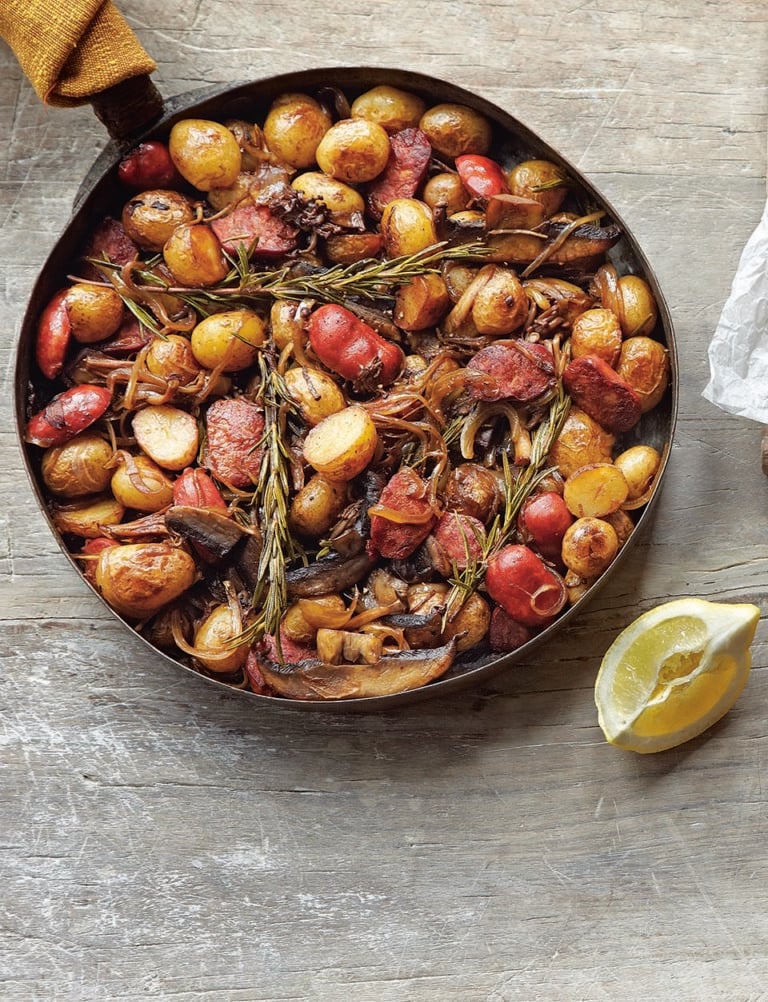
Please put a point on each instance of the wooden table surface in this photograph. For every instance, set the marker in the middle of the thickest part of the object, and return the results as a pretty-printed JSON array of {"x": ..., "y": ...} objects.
[{"x": 161, "y": 839}]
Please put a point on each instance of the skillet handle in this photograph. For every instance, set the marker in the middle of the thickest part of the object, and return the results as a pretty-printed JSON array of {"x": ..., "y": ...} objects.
[
  {"x": 129, "y": 107},
  {"x": 84, "y": 52}
]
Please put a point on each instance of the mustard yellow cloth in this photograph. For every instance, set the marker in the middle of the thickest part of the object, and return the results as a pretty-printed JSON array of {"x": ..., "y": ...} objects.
[{"x": 72, "y": 49}]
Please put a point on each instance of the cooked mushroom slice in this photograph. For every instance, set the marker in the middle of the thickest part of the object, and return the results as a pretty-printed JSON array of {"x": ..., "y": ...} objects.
[
  {"x": 330, "y": 574},
  {"x": 218, "y": 533},
  {"x": 399, "y": 672},
  {"x": 557, "y": 242}
]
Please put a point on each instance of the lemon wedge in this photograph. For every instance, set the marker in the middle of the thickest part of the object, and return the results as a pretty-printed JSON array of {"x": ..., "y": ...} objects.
[{"x": 673, "y": 672}]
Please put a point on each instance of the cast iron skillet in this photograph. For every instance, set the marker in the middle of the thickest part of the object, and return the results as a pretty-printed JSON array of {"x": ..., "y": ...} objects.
[{"x": 513, "y": 140}]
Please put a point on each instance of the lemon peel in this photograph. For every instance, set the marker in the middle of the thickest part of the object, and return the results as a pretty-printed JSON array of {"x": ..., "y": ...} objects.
[{"x": 673, "y": 672}]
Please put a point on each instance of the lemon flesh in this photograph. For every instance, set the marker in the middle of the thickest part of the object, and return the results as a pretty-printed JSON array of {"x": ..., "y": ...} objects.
[{"x": 673, "y": 672}]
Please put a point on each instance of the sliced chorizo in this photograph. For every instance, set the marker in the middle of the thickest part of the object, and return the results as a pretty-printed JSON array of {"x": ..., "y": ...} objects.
[
  {"x": 255, "y": 226},
  {"x": 459, "y": 538},
  {"x": 403, "y": 517},
  {"x": 520, "y": 371},
  {"x": 108, "y": 242},
  {"x": 601, "y": 393},
  {"x": 234, "y": 449},
  {"x": 409, "y": 156}
]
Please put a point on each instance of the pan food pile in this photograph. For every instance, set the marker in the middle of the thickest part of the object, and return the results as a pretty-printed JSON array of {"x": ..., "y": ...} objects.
[{"x": 336, "y": 399}]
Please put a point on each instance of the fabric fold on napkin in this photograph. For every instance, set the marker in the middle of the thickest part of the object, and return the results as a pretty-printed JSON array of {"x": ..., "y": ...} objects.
[
  {"x": 738, "y": 352},
  {"x": 73, "y": 50}
]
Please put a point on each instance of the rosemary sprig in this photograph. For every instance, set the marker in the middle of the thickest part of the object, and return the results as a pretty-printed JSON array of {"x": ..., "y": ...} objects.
[
  {"x": 270, "y": 597},
  {"x": 467, "y": 581},
  {"x": 369, "y": 279}
]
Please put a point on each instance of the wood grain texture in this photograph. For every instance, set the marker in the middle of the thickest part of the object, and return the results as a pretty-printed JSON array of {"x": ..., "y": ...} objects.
[{"x": 161, "y": 840}]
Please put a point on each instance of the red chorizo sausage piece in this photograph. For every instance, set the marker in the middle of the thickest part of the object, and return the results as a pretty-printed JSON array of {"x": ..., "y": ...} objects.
[
  {"x": 54, "y": 333},
  {"x": 67, "y": 415},
  {"x": 460, "y": 538},
  {"x": 521, "y": 371},
  {"x": 196, "y": 489},
  {"x": 248, "y": 223},
  {"x": 409, "y": 156},
  {"x": 505, "y": 633},
  {"x": 350, "y": 347},
  {"x": 404, "y": 495},
  {"x": 109, "y": 240},
  {"x": 233, "y": 450},
  {"x": 601, "y": 392},
  {"x": 130, "y": 337}
]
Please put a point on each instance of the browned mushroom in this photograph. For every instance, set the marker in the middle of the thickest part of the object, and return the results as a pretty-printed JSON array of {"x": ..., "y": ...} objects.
[{"x": 399, "y": 672}]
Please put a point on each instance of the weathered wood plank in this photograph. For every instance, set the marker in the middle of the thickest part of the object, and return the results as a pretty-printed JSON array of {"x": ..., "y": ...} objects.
[{"x": 162, "y": 839}]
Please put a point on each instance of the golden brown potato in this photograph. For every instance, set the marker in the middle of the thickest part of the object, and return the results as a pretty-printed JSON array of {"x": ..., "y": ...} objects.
[
  {"x": 171, "y": 358},
  {"x": 205, "y": 153},
  {"x": 293, "y": 128},
  {"x": 541, "y": 180},
  {"x": 286, "y": 323},
  {"x": 346, "y": 248},
  {"x": 407, "y": 226},
  {"x": 595, "y": 490},
  {"x": 639, "y": 465},
  {"x": 194, "y": 256},
  {"x": 447, "y": 191},
  {"x": 95, "y": 312},
  {"x": 470, "y": 624},
  {"x": 501, "y": 304},
  {"x": 421, "y": 303},
  {"x": 589, "y": 546},
  {"x": 138, "y": 579},
  {"x": 391, "y": 108},
  {"x": 639, "y": 311},
  {"x": 139, "y": 483},
  {"x": 314, "y": 392},
  {"x": 644, "y": 364},
  {"x": 472, "y": 489},
  {"x": 337, "y": 196},
  {"x": 231, "y": 339},
  {"x": 581, "y": 441},
  {"x": 213, "y": 641},
  {"x": 343, "y": 444},
  {"x": 168, "y": 435},
  {"x": 455, "y": 129},
  {"x": 87, "y": 518},
  {"x": 79, "y": 467},
  {"x": 151, "y": 217},
  {"x": 353, "y": 150},
  {"x": 597, "y": 332}
]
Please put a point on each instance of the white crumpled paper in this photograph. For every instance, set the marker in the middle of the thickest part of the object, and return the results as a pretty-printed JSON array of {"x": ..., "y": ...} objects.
[{"x": 738, "y": 352}]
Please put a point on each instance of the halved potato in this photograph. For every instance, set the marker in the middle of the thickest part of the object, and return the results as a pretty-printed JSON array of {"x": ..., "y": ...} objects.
[
  {"x": 343, "y": 444},
  {"x": 168, "y": 435}
]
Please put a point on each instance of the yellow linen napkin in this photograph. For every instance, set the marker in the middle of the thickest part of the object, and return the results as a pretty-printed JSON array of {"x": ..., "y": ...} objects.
[{"x": 73, "y": 50}]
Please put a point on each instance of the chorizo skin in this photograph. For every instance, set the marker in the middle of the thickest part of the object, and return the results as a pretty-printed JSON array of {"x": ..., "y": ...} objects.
[
  {"x": 404, "y": 494},
  {"x": 257, "y": 226},
  {"x": 459, "y": 538},
  {"x": 409, "y": 156},
  {"x": 233, "y": 450},
  {"x": 602, "y": 394},
  {"x": 111, "y": 242},
  {"x": 54, "y": 333},
  {"x": 520, "y": 371}
]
